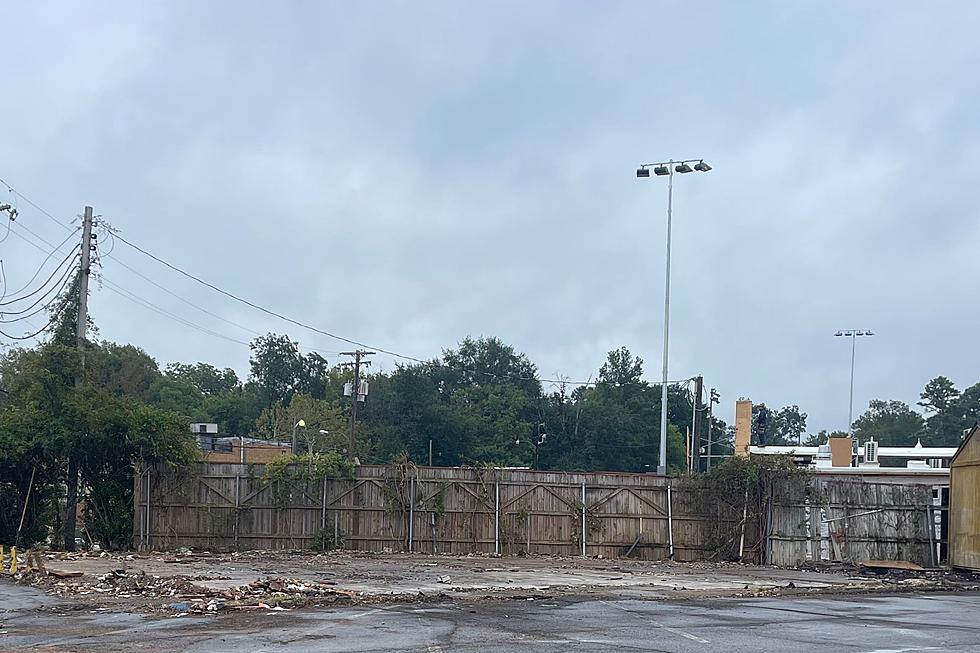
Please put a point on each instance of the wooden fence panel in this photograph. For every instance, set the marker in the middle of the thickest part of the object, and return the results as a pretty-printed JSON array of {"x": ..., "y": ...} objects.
[
  {"x": 229, "y": 506},
  {"x": 852, "y": 521}
]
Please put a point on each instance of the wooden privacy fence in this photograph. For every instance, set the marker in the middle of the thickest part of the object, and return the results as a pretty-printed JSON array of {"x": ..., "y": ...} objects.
[
  {"x": 426, "y": 509},
  {"x": 221, "y": 507},
  {"x": 852, "y": 520}
]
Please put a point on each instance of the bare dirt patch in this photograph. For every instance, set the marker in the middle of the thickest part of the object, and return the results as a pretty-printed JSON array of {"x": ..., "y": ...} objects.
[{"x": 206, "y": 582}]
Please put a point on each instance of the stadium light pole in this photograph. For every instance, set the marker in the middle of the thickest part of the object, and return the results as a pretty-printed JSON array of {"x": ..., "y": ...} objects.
[
  {"x": 667, "y": 169},
  {"x": 853, "y": 335}
]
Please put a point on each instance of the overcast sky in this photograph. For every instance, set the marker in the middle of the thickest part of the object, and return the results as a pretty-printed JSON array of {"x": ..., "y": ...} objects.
[{"x": 409, "y": 173}]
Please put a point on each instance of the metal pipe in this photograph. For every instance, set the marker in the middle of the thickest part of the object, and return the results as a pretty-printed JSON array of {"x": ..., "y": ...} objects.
[
  {"x": 670, "y": 523},
  {"x": 695, "y": 440},
  {"x": 147, "y": 511},
  {"x": 411, "y": 514},
  {"x": 238, "y": 495},
  {"x": 496, "y": 518},
  {"x": 860, "y": 514},
  {"x": 745, "y": 516},
  {"x": 583, "y": 520},
  {"x": 323, "y": 506},
  {"x": 662, "y": 462},
  {"x": 710, "y": 435},
  {"x": 850, "y": 403}
]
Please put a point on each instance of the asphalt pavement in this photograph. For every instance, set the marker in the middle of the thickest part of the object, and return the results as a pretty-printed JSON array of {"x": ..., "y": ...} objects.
[{"x": 872, "y": 624}]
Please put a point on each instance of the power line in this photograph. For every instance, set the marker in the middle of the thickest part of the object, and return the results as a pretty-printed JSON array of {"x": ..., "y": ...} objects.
[
  {"x": 13, "y": 300},
  {"x": 54, "y": 318},
  {"x": 204, "y": 310},
  {"x": 115, "y": 234},
  {"x": 186, "y": 301},
  {"x": 13, "y": 190},
  {"x": 145, "y": 303},
  {"x": 333, "y": 335},
  {"x": 122, "y": 292},
  {"x": 46, "y": 259},
  {"x": 262, "y": 308},
  {"x": 57, "y": 288}
]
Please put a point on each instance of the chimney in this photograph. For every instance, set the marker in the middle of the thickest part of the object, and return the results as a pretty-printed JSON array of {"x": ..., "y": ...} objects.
[
  {"x": 743, "y": 426},
  {"x": 840, "y": 451}
]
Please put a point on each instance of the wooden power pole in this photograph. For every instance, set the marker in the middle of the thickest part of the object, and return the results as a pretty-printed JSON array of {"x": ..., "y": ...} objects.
[
  {"x": 355, "y": 395},
  {"x": 71, "y": 495}
]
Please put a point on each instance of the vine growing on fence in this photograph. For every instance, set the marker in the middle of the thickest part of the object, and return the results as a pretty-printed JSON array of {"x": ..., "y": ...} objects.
[
  {"x": 291, "y": 469},
  {"x": 737, "y": 494}
]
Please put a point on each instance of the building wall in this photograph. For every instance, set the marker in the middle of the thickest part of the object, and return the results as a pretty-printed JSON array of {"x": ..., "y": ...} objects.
[
  {"x": 254, "y": 453},
  {"x": 964, "y": 511}
]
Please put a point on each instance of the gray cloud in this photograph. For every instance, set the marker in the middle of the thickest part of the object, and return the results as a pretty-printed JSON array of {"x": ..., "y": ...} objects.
[{"x": 410, "y": 173}]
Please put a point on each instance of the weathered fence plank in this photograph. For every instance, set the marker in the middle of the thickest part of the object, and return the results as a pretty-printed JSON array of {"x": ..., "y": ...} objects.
[{"x": 227, "y": 506}]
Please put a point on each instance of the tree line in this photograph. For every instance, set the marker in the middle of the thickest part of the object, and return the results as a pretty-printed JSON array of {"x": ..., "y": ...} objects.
[{"x": 479, "y": 403}]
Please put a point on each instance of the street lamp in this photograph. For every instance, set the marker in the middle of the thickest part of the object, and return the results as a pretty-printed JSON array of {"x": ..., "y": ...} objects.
[
  {"x": 853, "y": 335},
  {"x": 297, "y": 425},
  {"x": 667, "y": 169}
]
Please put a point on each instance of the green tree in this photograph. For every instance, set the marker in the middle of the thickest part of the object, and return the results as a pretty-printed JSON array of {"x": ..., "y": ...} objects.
[
  {"x": 938, "y": 395},
  {"x": 953, "y": 414},
  {"x": 816, "y": 439},
  {"x": 51, "y": 428},
  {"x": 891, "y": 423},
  {"x": 789, "y": 424},
  {"x": 276, "y": 368},
  {"x": 204, "y": 377}
]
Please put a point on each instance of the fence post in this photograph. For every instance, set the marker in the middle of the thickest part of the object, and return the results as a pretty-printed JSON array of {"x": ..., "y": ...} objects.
[
  {"x": 146, "y": 513},
  {"x": 140, "y": 511},
  {"x": 238, "y": 502},
  {"x": 583, "y": 519},
  {"x": 670, "y": 524},
  {"x": 496, "y": 518},
  {"x": 323, "y": 506},
  {"x": 411, "y": 514},
  {"x": 931, "y": 529}
]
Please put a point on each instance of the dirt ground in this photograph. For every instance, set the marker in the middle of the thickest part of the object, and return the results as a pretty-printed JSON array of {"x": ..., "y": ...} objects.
[{"x": 211, "y": 582}]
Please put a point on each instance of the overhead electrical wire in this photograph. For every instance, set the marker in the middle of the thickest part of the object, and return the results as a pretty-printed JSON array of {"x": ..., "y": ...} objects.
[
  {"x": 54, "y": 290},
  {"x": 10, "y": 223},
  {"x": 13, "y": 190},
  {"x": 46, "y": 259},
  {"x": 114, "y": 234},
  {"x": 136, "y": 299},
  {"x": 13, "y": 300},
  {"x": 54, "y": 318},
  {"x": 335, "y": 336},
  {"x": 262, "y": 308}
]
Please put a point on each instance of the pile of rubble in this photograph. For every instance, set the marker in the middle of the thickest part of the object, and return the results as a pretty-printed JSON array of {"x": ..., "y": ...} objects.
[{"x": 183, "y": 596}]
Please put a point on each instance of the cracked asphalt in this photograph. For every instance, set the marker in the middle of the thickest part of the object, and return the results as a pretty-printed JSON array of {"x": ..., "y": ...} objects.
[{"x": 33, "y": 621}]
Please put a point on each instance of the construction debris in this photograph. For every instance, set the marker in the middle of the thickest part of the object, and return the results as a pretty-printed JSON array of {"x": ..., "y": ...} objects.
[{"x": 891, "y": 564}]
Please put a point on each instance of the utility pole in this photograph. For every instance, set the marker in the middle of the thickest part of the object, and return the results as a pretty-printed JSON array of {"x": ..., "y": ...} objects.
[
  {"x": 71, "y": 495},
  {"x": 355, "y": 394}
]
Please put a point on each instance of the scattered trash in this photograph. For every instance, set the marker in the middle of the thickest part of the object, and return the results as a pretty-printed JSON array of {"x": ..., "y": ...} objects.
[
  {"x": 891, "y": 564},
  {"x": 57, "y": 573},
  {"x": 443, "y": 579}
]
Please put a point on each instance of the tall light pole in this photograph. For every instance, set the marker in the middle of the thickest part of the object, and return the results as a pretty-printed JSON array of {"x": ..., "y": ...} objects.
[
  {"x": 853, "y": 335},
  {"x": 667, "y": 169}
]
